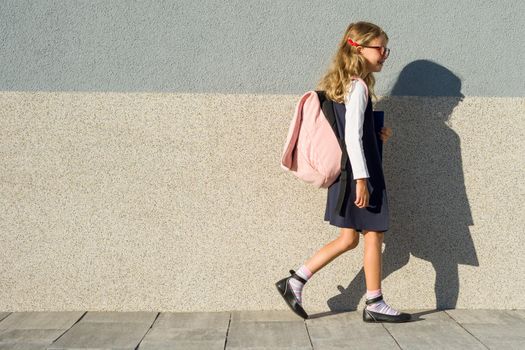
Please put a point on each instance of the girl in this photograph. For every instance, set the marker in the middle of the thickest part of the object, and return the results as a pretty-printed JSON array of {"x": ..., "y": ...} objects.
[{"x": 362, "y": 51}]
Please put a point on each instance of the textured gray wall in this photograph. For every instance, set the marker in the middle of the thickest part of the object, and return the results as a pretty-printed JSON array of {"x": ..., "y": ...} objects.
[
  {"x": 251, "y": 46},
  {"x": 140, "y": 146}
]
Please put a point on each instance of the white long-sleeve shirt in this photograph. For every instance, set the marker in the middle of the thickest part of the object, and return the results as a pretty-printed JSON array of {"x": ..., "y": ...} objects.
[{"x": 355, "y": 103}]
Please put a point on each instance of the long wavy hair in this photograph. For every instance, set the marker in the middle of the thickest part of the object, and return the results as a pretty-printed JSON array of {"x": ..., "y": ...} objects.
[{"x": 347, "y": 62}]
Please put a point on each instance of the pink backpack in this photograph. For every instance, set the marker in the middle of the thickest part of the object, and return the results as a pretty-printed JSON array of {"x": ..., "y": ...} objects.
[{"x": 313, "y": 150}]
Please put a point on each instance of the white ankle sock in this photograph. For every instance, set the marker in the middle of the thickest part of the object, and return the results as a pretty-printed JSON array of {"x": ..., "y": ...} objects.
[
  {"x": 380, "y": 306},
  {"x": 297, "y": 286}
]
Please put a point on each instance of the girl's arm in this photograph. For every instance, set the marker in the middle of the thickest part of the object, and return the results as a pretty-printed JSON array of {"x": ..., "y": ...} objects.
[{"x": 355, "y": 105}]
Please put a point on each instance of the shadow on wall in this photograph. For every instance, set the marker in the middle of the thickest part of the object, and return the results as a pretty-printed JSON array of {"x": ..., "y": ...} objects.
[{"x": 429, "y": 210}]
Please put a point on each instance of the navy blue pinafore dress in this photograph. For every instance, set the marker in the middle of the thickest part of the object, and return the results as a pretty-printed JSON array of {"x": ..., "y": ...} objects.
[{"x": 375, "y": 217}]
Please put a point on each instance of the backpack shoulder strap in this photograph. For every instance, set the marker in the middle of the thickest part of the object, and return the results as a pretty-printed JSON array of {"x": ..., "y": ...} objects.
[{"x": 329, "y": 111}]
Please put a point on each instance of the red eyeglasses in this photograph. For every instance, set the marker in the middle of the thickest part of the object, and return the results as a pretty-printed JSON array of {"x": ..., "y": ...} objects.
[{"x": 385, "y": 51}]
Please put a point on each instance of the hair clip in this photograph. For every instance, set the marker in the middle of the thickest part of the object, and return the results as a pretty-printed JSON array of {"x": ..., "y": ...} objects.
[{"x": 352, "y": 42}]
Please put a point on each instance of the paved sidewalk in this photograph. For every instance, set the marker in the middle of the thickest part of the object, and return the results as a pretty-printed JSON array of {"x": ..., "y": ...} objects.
[{"x": 431, "y": 329}]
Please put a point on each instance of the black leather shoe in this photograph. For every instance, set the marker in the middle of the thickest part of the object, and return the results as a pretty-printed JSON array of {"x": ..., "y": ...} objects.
[
  {"x": 288, "y": 295},
  {"x": 371, "y": 316}
]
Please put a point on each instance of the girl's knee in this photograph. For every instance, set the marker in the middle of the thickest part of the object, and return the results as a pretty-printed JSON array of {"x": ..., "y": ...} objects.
[
  {"x": 373, "y": 235},
  {"x": 349, "y": 238}
]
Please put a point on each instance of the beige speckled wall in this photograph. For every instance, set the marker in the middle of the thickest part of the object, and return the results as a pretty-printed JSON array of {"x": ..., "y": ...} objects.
[
  {"x": 172, "y": 201},
  {"x": 140, "y": 144}
]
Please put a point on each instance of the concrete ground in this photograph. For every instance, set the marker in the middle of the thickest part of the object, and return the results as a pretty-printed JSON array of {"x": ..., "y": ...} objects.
[{"x": 431, "y": 329}]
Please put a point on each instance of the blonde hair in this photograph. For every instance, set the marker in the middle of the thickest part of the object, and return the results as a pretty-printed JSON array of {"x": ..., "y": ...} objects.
[{"x": 347, "y": 62}]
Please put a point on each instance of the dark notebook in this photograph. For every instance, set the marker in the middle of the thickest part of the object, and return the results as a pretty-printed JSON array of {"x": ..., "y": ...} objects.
[{"x": 379, "y": 122}]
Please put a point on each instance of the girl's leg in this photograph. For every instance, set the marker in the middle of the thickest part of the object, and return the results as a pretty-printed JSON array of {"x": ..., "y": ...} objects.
[
  {"x": 372, "y": 266},
  {"x": 347, "y": 240},
  {"x": 372, "y": 259}
]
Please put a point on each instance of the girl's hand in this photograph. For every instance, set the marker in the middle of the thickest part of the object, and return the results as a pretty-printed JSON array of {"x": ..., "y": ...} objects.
[
  {"x": 385, "y": 134},
  {"x": 361, "y": 193}
]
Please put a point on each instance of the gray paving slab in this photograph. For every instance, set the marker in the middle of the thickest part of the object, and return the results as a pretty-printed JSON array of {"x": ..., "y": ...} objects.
[
  {"x": 348, "y": 331},
  {"x": 3, "y": 315},
  {"x": 498, "y": 336},
  {"x": 23, "y": 346},
  {"x": 28, "y": 338},
  {"x": 30, "y": 335},
  {"x": 193, "y": 320},
  {"x": 114, "y": 316},
  {"x": 34, "y": 330},
  {"x": 184, "y": 338},
  {"x": 520, "y": 312},
  {"x": 497, "y": 329},
  {"x": 429, "y": 315},
  {"x": 267, "y": 315},
  {"x": 102, "y": 335},
  {"x": 41, "y": 320},
  {"x": 188, "y": 330},
  {"x": 485, "y": 316},
  {"x": 267, "y": 330},
  {"x": 432, "y": 330}
]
